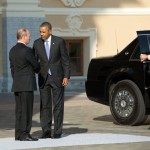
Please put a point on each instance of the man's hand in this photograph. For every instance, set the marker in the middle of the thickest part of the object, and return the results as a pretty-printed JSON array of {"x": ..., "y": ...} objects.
[
  {"x": 65, "y": 81},
  {"x": 143, "y": 57}
]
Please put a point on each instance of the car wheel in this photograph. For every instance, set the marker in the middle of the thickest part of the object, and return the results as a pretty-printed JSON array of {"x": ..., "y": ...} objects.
[{"x": 127, "y": 103}]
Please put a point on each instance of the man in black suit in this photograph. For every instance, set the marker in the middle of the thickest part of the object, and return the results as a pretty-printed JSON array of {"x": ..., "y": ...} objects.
[
  {"x": 53, "y": 77},
  {"x": 23, "y": 67}
]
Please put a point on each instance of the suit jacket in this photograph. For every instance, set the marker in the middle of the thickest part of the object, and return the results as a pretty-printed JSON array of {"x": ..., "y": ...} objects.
[
  {"x": 58, "y": 62},
  {"x": 23, "y": 67}
]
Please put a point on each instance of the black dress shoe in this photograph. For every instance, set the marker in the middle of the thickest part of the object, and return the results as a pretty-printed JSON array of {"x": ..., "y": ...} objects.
[
  {"x": 46, "y": 135},
  {"x": 56, "y": 136},
  {"x": 28, "y": 137},
  {"x": 34, "y": 138}
]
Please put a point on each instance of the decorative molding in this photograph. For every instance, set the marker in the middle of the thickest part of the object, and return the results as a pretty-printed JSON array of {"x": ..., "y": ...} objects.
[
  {"x": 73, "y": 3},
  {"x": 74, "y": 22}
]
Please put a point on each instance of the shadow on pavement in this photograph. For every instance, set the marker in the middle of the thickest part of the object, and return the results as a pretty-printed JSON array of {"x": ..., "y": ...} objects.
[
  {"x": 7, "y": 109},
  {"x": 107, "y": 118},
  {"x": 66, "y": 131}
]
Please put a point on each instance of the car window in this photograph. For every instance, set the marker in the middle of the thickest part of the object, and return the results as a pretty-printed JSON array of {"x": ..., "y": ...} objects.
[
  {"x": 137, "y": 52},
  {"x": 144, "y": 41}
]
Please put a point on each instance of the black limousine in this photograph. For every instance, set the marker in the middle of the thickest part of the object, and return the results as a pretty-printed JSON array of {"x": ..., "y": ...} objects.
[{"x": 123, "y": 82}]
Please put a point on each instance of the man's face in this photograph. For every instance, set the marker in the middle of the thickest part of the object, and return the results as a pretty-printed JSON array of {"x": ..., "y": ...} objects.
[{"x": 45, "y": 32}]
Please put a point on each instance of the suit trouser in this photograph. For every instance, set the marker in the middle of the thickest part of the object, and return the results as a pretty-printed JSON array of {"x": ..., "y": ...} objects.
[
  {"x": 51, "y": 95},
  {"x": 24, "y": 112}
]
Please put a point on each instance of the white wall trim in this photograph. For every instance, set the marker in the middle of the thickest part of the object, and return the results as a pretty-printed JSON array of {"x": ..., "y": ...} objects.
[
  {"x": 21, "y": 1},
  {"x": 98, "y": 11},
  {"x": 28, "y": 8}
]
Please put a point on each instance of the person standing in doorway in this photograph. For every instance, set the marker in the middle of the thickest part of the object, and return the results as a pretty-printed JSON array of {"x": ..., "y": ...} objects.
[
  {"x": 54, "y": 75},
  {"x": 23, "y": 67}
]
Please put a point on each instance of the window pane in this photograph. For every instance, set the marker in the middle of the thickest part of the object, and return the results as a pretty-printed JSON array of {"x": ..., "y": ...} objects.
[
  {"x": 74, "y": 49},
  {"x": 75, "y": 65}
]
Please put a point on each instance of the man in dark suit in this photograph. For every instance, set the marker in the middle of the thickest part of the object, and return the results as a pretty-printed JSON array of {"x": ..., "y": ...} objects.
[
  {"x": 53, "y": 77},
  {"x": 23, "y": 67}
]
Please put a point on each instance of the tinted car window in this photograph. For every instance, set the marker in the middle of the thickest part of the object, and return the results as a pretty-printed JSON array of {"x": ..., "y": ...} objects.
[
  {"x": 137, "y": 52},
  {"x": 144, "y": 41}
]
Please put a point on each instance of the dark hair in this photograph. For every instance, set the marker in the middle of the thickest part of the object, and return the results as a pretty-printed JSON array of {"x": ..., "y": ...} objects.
[{"x": 46, "y": 24}]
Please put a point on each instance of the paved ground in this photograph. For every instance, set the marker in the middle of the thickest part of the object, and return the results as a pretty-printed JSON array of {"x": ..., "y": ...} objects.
[{"x": 87, "y": 125}]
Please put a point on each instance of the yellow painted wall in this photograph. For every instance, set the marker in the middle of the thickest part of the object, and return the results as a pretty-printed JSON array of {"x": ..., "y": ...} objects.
[
  {"x": 114, "y": 32},
  {"x": 117, "y": 3}
]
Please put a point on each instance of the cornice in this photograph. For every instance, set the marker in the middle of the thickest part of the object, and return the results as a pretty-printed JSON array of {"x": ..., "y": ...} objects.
[
  {"x": 14, "y": 2},
  {"x": 34, "y": 10},
  {"x": 98, "y": 11}
]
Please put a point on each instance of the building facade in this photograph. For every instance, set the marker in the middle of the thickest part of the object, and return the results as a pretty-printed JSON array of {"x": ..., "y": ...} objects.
[{"x": 91, "y": 28}]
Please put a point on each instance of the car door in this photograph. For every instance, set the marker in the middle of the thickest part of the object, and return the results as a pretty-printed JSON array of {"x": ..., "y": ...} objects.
[{"x": 144, "y": 44}]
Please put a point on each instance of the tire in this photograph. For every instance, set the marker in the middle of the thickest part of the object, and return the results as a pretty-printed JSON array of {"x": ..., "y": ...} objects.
[{"x": 127, "y": 103}]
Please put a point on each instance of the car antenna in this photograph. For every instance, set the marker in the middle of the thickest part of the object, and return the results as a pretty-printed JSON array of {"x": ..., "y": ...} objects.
[{"x": 116, "y": 41}]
